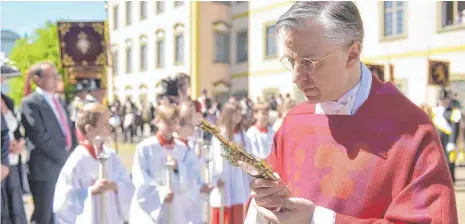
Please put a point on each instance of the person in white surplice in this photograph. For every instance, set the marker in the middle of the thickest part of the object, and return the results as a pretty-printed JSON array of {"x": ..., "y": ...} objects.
[
  {"x": 78, "y": 189},
  {"x": 200, "y": 189},
  {"x": 231, "y": 183},
  {"x": 261, "y": 134},
  {"x": 158, "y": 198}
]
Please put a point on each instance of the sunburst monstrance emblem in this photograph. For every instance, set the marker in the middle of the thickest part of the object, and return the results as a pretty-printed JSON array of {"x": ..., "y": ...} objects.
[{"x": 83, "y": 44}]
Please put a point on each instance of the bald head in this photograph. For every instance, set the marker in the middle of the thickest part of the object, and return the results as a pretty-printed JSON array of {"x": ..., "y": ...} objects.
[{"x": 45, "y": 75}]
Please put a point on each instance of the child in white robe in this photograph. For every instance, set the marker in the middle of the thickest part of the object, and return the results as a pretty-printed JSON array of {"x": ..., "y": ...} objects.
[
  {"x": 155, "y": 201},
  {"x": 231, "y": 189},
  {"x": 200, "y": 189},
  {"x": 261, "y": 134},
  {"x": 78, "y": 189}
]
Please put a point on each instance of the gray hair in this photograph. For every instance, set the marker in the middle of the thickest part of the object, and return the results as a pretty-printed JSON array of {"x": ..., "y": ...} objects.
[{"x": 341, "y": 20}]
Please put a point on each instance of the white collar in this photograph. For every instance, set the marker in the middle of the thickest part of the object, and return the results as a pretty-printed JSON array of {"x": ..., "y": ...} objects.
[
  {"x": 44, "y": 93},
  {"x": 349, "y": 103}
]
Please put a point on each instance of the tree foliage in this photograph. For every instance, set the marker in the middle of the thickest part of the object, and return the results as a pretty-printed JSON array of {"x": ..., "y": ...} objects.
[{"x": 41, "y": 46}]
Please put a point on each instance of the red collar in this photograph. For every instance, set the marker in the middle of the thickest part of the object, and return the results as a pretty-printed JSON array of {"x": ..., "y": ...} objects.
[
  {"x": 236, "y": 130},
  {"x": 262, "y": 129},
  {"x": 79, "y": 135},
  {"x": 169, "y": 144},
  {"x": 90, "y": 149},
  {"x": 185, "y": 141},
  {"x": 82, "y": 141}
]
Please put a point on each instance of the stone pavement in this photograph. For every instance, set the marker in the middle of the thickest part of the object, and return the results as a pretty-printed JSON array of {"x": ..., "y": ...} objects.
[{"x": 459, "y": 192}]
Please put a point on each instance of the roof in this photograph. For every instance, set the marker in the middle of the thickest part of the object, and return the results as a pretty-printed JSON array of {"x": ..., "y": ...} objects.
[{"x": 7, "y": 34}]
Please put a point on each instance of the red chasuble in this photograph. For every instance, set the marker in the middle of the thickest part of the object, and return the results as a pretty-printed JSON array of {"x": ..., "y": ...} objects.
[{"x": 385, "y": 164}]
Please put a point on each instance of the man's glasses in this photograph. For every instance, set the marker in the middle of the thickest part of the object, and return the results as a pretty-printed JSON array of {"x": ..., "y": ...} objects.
[{"x": 308, "y": 64}]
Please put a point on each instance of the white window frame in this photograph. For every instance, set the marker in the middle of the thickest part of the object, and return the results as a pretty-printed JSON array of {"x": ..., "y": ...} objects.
[{"x": 394, "y": 10}]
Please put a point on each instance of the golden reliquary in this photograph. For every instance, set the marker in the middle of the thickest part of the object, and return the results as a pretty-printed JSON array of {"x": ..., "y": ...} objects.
[{"x": 238, "y": 157}]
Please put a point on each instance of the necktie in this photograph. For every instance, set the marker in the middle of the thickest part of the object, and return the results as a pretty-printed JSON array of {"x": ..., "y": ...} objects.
[{"x": 63, "y": 122}]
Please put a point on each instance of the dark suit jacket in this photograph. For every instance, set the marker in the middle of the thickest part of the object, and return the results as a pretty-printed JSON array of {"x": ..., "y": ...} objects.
[
  {"x": 5, "y": 146},
  {"x": 11, "y": 105},
  {"x": 44, "y": 138},
  {"x": 5, "y": 143}
]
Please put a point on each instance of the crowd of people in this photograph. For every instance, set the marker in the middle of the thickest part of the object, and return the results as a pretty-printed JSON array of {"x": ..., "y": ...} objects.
[
  {"x": 137, "y": 118},
  {"x": 59, "y": 167}
]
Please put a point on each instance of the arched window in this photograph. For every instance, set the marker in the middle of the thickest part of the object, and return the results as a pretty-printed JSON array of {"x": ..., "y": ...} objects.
[
  {"x": 160, "y": 48},
  {"x": 178, "y": 43},
  {"x": 143, "y": 53},
  {"x": 115, "y": 58},
  {"x": 221, "y": 31},
  {"x": 128, "y": 56}
]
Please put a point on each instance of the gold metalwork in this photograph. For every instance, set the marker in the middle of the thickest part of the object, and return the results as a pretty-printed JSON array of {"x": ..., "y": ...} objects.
[
  {"x": 64, "y": 28},
  {"x": 98, "y": 28},
  {"x": 238, "y": 157},
  {"x": 101, "y": 59},
  {"x": 68, "y": 60}
]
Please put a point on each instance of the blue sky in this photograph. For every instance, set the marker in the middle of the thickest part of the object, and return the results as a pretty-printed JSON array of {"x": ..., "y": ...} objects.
[{"x": 24, "y": 17}]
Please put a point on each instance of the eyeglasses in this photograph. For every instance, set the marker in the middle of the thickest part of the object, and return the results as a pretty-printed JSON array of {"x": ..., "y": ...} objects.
[{"x": 308, "y": 64}]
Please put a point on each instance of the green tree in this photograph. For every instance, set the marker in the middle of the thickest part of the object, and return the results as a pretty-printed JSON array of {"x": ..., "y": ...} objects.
[{"x": 41, "y": 46}]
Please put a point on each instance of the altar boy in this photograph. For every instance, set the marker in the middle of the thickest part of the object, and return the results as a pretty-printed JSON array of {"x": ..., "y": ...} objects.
[
  {"x": 78, "y": 189},
  {"x": 156, "y": 158},
  {"x": 200, "y": 189},
  {"x": 261, "y": 134}
]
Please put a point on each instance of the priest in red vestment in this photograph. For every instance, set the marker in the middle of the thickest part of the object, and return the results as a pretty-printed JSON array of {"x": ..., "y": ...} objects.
[{"x": 358, "y": 151}]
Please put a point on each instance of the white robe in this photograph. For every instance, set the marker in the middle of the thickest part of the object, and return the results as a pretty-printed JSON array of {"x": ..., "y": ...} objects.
[
  {"x": 261, "y": 143},
  {"x": 13, "y": 123},
  {"x": 149, "y": 176},
  {"x": 194, "y": 165},
  {"x": 236, "y": 189},
  {"x": 73, "y": 201}
]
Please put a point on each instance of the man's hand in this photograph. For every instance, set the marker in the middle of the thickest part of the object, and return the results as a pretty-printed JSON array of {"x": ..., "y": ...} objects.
[
  {"x": 103, "y": 185},
  {"x": 299, "y": 211},
  {"x": 206, "y": 189},
  {"x": 169, "y": 197},
  {"x": 269, "y": 193}
]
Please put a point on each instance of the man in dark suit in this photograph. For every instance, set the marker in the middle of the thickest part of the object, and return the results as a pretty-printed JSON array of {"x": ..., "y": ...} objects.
[{"x": 48, "y": 137}]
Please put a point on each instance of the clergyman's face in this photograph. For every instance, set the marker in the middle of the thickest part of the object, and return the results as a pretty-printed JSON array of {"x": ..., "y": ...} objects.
[{"x": 328, "y": 77}]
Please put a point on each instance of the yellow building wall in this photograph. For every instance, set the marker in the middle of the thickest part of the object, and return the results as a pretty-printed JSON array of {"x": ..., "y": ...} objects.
[{"x": 209, "y": 72}]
